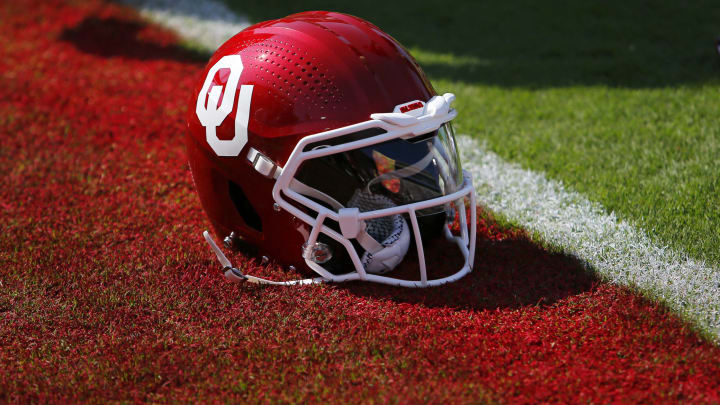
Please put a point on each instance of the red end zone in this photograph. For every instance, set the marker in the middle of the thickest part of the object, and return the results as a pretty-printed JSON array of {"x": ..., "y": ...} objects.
[{"x": 109, "y": 292}]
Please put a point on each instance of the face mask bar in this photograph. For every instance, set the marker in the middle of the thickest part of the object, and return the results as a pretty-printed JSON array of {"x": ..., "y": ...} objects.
[
  {"x": 465, "y": 241},
  {"x": 396, "y": 125}
]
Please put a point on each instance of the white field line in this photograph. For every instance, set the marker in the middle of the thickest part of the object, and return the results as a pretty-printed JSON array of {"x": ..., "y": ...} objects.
[
  {"x": 617, "y": 251},
  {"x": 205, "y": 23}
]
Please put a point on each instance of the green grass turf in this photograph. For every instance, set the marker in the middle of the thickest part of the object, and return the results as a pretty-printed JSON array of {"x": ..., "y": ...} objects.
[{"x": 617, "y": 99}]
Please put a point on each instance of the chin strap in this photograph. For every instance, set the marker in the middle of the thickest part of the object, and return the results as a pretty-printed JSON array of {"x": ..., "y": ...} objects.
[{"x": 235, "y": 275}]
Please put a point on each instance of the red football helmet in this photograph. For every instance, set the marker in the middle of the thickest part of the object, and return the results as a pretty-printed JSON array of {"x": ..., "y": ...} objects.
[{"x": 317, "y": 141}]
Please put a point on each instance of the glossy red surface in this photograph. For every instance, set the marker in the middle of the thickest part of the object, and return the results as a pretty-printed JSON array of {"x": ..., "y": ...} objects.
[{"x": 311, "y": 72}]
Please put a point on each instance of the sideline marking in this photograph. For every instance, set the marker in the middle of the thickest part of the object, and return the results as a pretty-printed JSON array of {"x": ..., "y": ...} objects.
[
  {"x": 205, "y": 23},
  {"x": 617, "y": 251}
]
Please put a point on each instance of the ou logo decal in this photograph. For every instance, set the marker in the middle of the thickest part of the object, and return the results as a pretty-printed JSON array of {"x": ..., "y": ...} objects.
[{"x": 213, "y": 115}]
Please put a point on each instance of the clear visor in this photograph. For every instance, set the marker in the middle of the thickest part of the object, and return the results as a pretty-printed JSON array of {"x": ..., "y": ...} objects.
[{"x": 402, "y": 171}]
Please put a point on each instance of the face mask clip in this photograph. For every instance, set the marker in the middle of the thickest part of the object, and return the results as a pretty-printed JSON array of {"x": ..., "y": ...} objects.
[{"x": 349, "y": 222}]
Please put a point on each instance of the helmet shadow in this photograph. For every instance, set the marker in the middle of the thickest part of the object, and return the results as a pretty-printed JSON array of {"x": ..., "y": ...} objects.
[
  {"x": 114, "y": 37},
  {"x": 510, "y": 271}
]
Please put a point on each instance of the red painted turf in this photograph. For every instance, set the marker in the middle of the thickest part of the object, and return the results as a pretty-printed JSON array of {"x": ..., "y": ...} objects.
[{"x": 108, "y": 291}]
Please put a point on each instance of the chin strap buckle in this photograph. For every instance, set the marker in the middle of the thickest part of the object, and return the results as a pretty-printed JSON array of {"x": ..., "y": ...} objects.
[{"x": 233, "y": 274}]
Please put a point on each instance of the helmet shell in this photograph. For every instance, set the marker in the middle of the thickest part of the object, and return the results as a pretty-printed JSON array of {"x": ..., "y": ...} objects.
[{"x": 311, "y": 72}]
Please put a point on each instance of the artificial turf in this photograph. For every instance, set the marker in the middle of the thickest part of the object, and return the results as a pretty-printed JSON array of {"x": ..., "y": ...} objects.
[
  {"x": 109, "y": 293},
  {"x": 616, "y": 99}
]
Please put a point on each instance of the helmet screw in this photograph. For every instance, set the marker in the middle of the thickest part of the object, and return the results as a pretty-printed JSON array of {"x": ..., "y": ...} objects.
[
  {"x": 229, "y": 241},
  {"x": 276, "y": 207}
]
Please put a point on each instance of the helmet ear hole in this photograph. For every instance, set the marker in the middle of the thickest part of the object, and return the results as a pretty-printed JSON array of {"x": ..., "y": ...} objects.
[{"x": 243, "y": 207}]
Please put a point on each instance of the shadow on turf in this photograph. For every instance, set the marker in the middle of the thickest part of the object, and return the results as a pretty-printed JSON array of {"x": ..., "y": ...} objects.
[
  {"x": 113, "y": 37},
  {"x": 541, "y": 44},
  {"x": 512, "y": 273},
  {"x": 510, "y": 44}
]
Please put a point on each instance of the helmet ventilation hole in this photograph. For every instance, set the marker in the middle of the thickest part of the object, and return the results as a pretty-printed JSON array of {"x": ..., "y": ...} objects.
[
  {"x": 288, "y": 72},
  {"x": 243, "y": 207}
]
